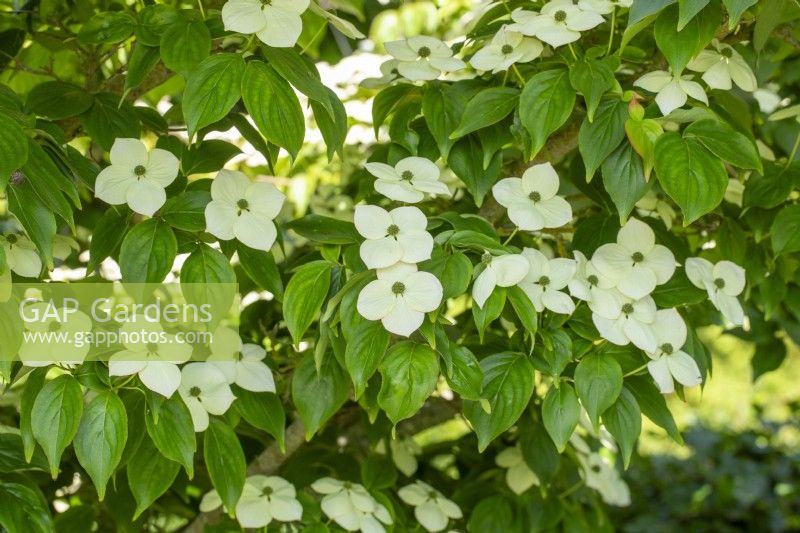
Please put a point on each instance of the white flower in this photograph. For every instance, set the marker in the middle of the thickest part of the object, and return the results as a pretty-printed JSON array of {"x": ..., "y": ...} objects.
[
  {"x": 545, "y": 280},
  {"x": 61, "y": 348},
  {"x": 392, "y": 236},
  {"x": 654, "y": 206},
  {"x": 734, "y": 192},
  {"x": 241, "y": 364},
  {"x": 672, "y": 90},
  {"x": 275, "y": 22},
  {"x": 404, "y": 454},
  {"x": 723, "y": 282},
  {"x": 63, "y": 247},
  {"x": 264, "y": 499},
  {"x": 559, "y": 22},
  {"x": 589, "y": 285},
  {"x": 137, "y": 177},
  {"x": 204, "y": 389},
  {"x": 400, "y": 297},
  {"x": 409, "y": 180},
  {"x": 723, "y": 65},
  {"x": 635, "y": 261},
  {"x": 668, "y": 360},
  {"x": 243, "y": 209},
  {"x": 602, "y": 477},
  {"x": 431, "y": 508},
  {"x": 627, "y": 321},
  {"x": 502, "y": 271},
  {"x": 351, "y": 506},
  {"x": 603, "y": 6},
  {"x": 389, "y": 73},
  {"x": 154, "y": 358},
  {"x": 531, "y": 200},
  {"x": 423, "y": 58},
  {"x": 506, "y": 48},
  {"x": 21, "y": 255},
  {"x": 519, "y": 476}
]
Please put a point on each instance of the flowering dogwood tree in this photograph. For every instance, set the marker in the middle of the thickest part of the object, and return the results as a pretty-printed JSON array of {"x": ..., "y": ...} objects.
[{"x": 454, "y": 323}]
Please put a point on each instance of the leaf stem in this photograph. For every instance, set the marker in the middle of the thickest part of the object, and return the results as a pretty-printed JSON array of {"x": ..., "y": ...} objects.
[
  {"x": 200, "y": 6},
  {"x": 571, "y": 49},
  {"x": 519, "y": 75},
  {"x": 794, "y": 151},
  {"x": 635, "y": 371},
  {"x": 613, "y": 27},
  {"x": 513, "y": 233}
]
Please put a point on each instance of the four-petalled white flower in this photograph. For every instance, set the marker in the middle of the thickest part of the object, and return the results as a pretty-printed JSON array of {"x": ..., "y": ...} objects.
[
  {"x": 723, "y": 282},
  {"x": 672, "y": 90},
  {"x": 243, "y": 209},
  {"x": 264, "y": 499},
  {"x": 432, "y": 510},
  {"x": 559, "y": 22},
  {"x": 722, "y": 67},
  {"x": 519, "y": 476},
  {"x": 242, "y": 364},
  {"x": 591, "y": 286},
  {"x": 392, "y": 236},
  {"x": 276, "y": 23},
  {"x": 205, "y": 390},
  {"x": 21, "y": 255},
  {"x": 628, "y": 321},
  {"x": 502, "y": 271},
  {"x": 44, "y": 351},
  {"x": 137, "y": 177},
  {"x": 351, "y": 506},
  {"x": 603, "y": 7},
  {"x": 668, "y": 360},
  {"x": 545, "y": 280},
  {"x": 531, "y": 201},
  {"x": 506, "y": 48},
  {"x": 409, "y": 180},
  {"x": 423, "y": 58},
  {"x": 400, "y": 297}
]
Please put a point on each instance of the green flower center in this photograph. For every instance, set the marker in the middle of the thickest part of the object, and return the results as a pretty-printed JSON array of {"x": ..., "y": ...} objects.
[
  {"x": 727, "y": 52},
  {"x": 560, "y": 16},
  {"x": 432, "y": 495},
  {"x": 398, "y": 288},
  {"x": 267, "y": 492},
  {"x": 407, "y": 175},
  {"x": 719, "y": 283},
  {"x": 347, "y": 485},
  {"x": 55, "y": 325},
  {"x": 194, "y": 392},
  {"x": 667, "y": 348},
  {"x": 393, "y": 230},
  {"x": 535, "y": 197},
  {"x": 139, "y": 170},
  {"x": 152, "y": 347},
  {"x": 266, "y": 3},
  {"x": 544, "y": 281},
  {"x": 507, "y": 49},
  {"x": 486, "y": 258},
  {"x": 637, "y": 257},
  {"x": 424, "y": 52},
  {"x": 11, "y": 239},
  {"x": 627, "y": 309},
  {"x": 593, "y": 281},
  {"x": 243, "y": 205}
]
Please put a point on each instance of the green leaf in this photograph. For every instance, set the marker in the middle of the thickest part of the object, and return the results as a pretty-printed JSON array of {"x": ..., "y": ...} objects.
[
  {"x": 333, "y": 129},
  {"x": 208, "y": 156},
  {"x": 492, "y": 307},
  {"x": 410, "y": 371},
  {"x": 363, "y": 353},
  {"x": 678, "y": 291},
  {"x": 274, "y": 107},
  {"x": 107, "y": 28},
  {"x": 148, "y": 252},
  {"x": 154, "y": 20},
  {"x": 263, "y": 410},
  {"x": 13, "y": 148},
  {"x": 58, "y": 100},
  {"x": 735, "y": 10},
  {"x": 679, "y": 44},
  {"x": 442, "y": 108},
  {"x": 556, "y": 350},
  {"x": 186, "y": 211},
  {"x": 325, "y": 230},
  {"x": 545, "y": 105},
  {"x": 150, "y": 475},
  {"x": 300, "y": 73},
  {"x": 49, "y": 183},
  {"x": 101, "y": 438},
  {"x": 560, "y": 414},
  {"x": 305, "y": 295},
  {"x": 172, "y": 431},
  {"x": 109, "y": 119},
  {"x": 142, "y": 61},
  {"x": 55, "y": 417},
  {"x": 261, "y": 268},
  {"x": 454, "y": 270},
  {"x": 725, "y": 142},
  {"x": 524, "y": 308},
  {"x": 108, "y": 235},
  {"x": 624, "y": 421},
  {"x": 12, "y": 455},
  {"x": 318, "y": 395},
  {"x": 641, "y": 10},
  {"x": 461, "y": 370},
  {"x": 507, "y": 386},
  {"x": 184, "y": 44},
  {"x": 770, "y": 16},
  {"x": 225, "y": 461},
  {"x": 688, "y": 9},
  {"x": 378, "y": 472},
  {"x": 488, "y": 107},
  {"x": 33, "y": 385},
  {"x": 24, "y": 509},
  {"x": 466, "y": 162},
  {"x": 623, "y": 178},
  {"x": 212, "y": 89},
  {"x": 593, "y": 78},
  {"x": 653, "y": 405},
  {"x": 207, "y": 278},
  {"x": 598, "y": 379},
  {"x": 690, "y": 175},
  {"x": 643, "y": 134},
  {"x": 786, "y": 231},
  {"x": 598, "y": 139},
  {"x": 770, "y": 189}
]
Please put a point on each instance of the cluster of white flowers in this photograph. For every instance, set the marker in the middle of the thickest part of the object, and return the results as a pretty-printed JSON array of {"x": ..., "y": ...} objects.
[
  {"x": 597, "y": 471},
  {"x": 276, "y": 23},
  {"x": 409, "y": 180},
  {"x": 721, "y": 67},
  {"x": 723, "y": 282},
  {"x": 423, "y": 58},
  {"x": 264, "y": 499},
  {"x": 559, "y": 22},
  {"x": 351, "y": 506}
]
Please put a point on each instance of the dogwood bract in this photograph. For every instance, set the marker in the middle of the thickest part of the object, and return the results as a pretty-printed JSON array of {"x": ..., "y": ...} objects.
[
  {"x": 506, "y": 48},
  {"x": 635, "y": 261},
  {"x": 723, "y": 282},
  {"x": 137, "y": 177},
  {"x": 243, "y": 209},
  {"x": 409, "y": 180},
  {"x": 629, "y": 321},
  {"x": 275, "y": 22},
  {"x": 21, "y": 255},
  {"x": 603, "y": 6},
  {"x": 205, "y": 390},
  {"x": 531, "y": 201},
  {"x": 423, "y": 58},
  {"x": 602, "y": 477},
  {"x": 545, "y": 279},
  {"x": 558, "y": 23},
  {"x": 589, "y": 285},
  {"x": 392, "y": 236},
  {"x": 264, "y": 499},
  {"x": 519, "y": 476},
  {"x": 432, "y": 510},
  {"x": 45, "y": 351},
  {"x": 672, "y": 91},
  {"x": 400, "y": 297},
  {"x": 501, "y": 271},
  {"x": 668, "y": 360},
  {"x": 241, "y": 364},
  {"x": 351, "y": 506},
  {"x": 722, "y": 66}
]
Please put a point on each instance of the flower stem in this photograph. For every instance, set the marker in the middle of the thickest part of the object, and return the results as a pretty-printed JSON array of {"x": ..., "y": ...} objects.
[
  {"x": 635, "y": 371},
  {"x": 794, "y": 151},
  {"x": 613, "y": 27},
  {"x": 519, "y": 75},
  {"x": 513, "y": 234},
  {"x": 571, "y": 49},
  {"x": 200, "y": 6}
]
